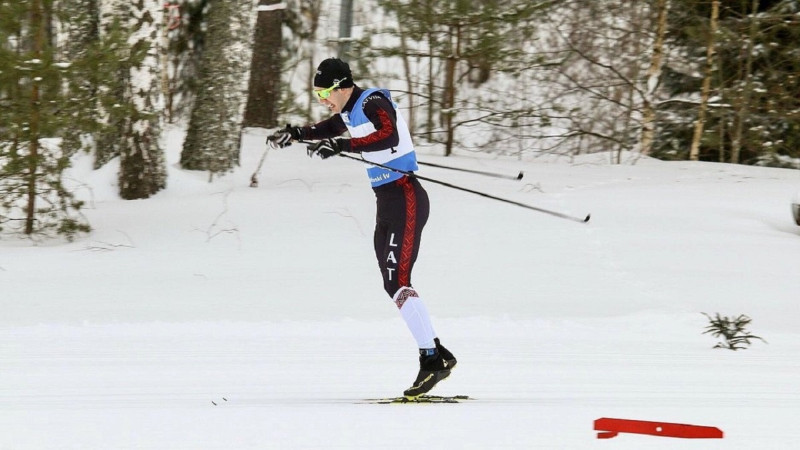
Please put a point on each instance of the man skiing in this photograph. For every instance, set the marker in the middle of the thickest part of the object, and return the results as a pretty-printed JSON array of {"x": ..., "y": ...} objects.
[{"x": 379, "y": 133}]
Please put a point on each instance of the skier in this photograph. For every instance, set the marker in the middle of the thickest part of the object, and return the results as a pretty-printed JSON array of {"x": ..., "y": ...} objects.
[{"x": 379, "y": 133}]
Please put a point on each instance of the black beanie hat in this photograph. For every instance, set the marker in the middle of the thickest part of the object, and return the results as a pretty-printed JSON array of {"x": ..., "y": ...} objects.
[{"x": 332, "y": 70}]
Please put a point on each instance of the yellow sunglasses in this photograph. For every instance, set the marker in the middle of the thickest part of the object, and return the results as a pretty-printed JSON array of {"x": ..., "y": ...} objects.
[{"x": 322, "y": 94}]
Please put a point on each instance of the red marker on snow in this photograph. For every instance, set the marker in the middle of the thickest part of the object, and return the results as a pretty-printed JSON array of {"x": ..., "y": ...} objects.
[{"x": 612, "y": 427}]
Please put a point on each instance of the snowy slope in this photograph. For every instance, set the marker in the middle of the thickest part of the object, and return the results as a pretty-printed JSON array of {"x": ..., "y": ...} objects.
[{"x": 268, "y": 303}]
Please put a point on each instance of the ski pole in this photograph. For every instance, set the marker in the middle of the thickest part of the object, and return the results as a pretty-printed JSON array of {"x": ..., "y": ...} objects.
[
  {"x": 482, "y": 194},
  {"x": 254, "y": 177},
  {"x": 479, "y": 172}
]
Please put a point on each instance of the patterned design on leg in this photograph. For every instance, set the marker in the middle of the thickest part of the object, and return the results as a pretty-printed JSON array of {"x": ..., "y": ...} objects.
[
  {"x": 407, "y": 247},
  {"x": 404, "y": 294}
]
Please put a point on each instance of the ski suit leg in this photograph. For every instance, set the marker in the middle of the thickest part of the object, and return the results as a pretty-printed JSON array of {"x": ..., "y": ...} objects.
[
  {"x": 403, "y": 209},
  {"x": 402, "y": 212}
]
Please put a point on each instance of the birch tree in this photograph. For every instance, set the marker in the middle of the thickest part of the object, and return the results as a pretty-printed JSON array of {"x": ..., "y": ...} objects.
[
  {"x": 142, "y": 170},
  {"x": 653, "y": 78},
  {"x": 142, "y": 164},
  {"x": 213, "y": 138}
]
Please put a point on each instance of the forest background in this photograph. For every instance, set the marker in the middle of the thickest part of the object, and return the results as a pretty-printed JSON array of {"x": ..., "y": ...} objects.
[{"x": 703, "y": 80}]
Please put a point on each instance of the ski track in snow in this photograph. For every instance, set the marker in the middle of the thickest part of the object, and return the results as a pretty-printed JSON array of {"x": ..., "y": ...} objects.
[{"x": 566, "y": 373}]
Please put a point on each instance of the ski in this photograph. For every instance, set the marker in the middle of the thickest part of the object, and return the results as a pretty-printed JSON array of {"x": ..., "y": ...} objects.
[{"x": 420, "y": 399}]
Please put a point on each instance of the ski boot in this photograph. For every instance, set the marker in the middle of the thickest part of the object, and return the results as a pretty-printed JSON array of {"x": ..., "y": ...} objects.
[
  {"x": 451, "y": 360},
  {"x": 433, "y": 368}
]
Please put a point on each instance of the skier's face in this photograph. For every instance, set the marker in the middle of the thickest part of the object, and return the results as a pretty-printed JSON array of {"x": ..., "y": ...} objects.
[{"x": 335, "y": 99}]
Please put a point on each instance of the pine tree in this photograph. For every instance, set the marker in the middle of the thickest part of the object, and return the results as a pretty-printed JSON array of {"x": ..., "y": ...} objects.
[
  {"x": 99, "y": 70},
  {"x": 213, "y": 138},
  {"x": 753, "y": 118},
  {"x": 34, "y": 109}
]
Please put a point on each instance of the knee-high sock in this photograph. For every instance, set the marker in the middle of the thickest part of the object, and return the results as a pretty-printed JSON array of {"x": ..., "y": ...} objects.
[{"x": 416, "y": 316}]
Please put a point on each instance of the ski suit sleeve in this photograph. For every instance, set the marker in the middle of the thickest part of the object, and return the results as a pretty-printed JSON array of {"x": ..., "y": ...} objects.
[
  {"x": 381, "y": 113},
  {"x": 325, "y": 129}
]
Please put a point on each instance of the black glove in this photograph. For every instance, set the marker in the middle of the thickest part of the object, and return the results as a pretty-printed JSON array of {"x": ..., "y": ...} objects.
[
  {"x": 328, "y": 147},
  {"x": 284, "y": 137}
]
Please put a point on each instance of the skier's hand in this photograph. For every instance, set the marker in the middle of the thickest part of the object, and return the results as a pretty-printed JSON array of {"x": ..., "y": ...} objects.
[
  {"x": 284, "y": 137},
  {"x": 279, "y": 139},
  {"x": 328, "y": 147}
]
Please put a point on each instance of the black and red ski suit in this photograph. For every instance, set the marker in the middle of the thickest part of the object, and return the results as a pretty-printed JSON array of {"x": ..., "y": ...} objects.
[{"x": 402, "y": 203}]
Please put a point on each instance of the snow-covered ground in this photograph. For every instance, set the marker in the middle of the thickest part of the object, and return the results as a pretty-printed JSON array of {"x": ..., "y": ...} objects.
[{"x": 215, "y": 315}]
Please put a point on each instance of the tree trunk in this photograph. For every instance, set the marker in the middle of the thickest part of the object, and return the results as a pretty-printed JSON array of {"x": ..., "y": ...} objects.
[
  {"x": 449, "y": 94},
  {"x": 430, "y": 85},
  {"x": 311, "y": 13},
  {"x": 635, "y": 96},
  {"x": 744, "y": 98},
  {"x": 142, "y": 170},
  {"x": 448, "y": 103},
  {"x": 345, "y": 29},
  {"x": 213, "y": 137},
  {"x": 38, "y": 31},
  {"x": 694, "y": 152},
  {"x": 265, "y": 68},
  {"x": 409, "y": 82},
  {"x": 653, "y": 75}
]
